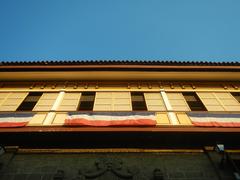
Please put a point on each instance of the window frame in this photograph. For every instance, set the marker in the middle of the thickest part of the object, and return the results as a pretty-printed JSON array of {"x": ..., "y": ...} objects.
[
  {"x": 144, "y": 101},
  {"x": 24, "y": 101},
  {"x": 195, "y": 95},
  {"x": 83, "y": 96}
]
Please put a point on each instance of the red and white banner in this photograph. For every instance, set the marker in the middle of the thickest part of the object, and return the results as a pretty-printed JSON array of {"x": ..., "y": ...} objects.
[
  {"x": 215, "y": 119},
  {"x": 111, "y": 119},
  {"x": 15, "y": 119}
]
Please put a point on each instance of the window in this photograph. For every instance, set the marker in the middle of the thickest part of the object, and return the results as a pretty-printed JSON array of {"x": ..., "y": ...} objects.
[
  {"x": 210, "y": 101},
  {"x": 70, "y": 101},
  {"x": 11, "y": 101},
  {"x": 46, "y": 101},
  {"x": 236, "y": 95},
  {"x": 178, "y": 101},
  {"x": 219, "y": 101},
  {"x": 193, "y": 101},
  {"x": 87, "y": 101},
  {"x": 154, "y": 101},
  {"x": 112, "y": 101},
  {"x": 138, "y": 101},
  {"x": 30, "y": 101}
]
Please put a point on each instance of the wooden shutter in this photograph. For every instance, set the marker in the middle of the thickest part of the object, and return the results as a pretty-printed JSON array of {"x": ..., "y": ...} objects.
[
  {"x": 154, "y": 102},
  {"x": 59, "y": 119},
  {"x": 178, "y": 102},
  {"x": 3, "y": 96},
  {"x": 183, "y": 119},
  {"x": 228, "y": 101},
  {"x": 121, "y": 101},
  {"x": 162, "y": 119},
  {"x": 46, "y": 101},
  {"x": 70, "y": 102},
  {"x": 103, "y": 101},
  {"x": 12, "y": 101},
  {"x": 37, "y": 119},
  {"x": 112, "y": 101},
  {"x": 210, "y": 101}
]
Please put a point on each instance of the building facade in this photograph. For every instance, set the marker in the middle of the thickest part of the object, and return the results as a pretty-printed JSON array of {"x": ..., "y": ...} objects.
[{"x": 97, "y": 106}]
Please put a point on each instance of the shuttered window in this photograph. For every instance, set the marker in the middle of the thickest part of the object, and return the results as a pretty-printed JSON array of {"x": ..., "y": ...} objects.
[
  {"x": 12, "y": 101},
  {"x": 178, "y": 102},
  {"x": 183, "y": 119},
  {"x": 70, "y": 102},
  {"x": 30, "y": 101},
  {"x": 46, "y": 102},
  {"x": 219, "y": 101},
  {"x": 87, "y": 101},
  {"x": 228, "y": 101},
  {"x": 138, "y": 101},
  {"x": 162, "y": 119},
  {"x": 103, "y": 101},
  {"x": 154, "y": 102},
  {"x": 193, "y": 101},
  {"x": 112, "y": 101},
  {"x": 122, "y": 101},
  {"x": 37, "y": 119},
  {"x": 210, "y": 101},
  {"x": 3, "y": 96},
  {"x": 236, "y": 95}
]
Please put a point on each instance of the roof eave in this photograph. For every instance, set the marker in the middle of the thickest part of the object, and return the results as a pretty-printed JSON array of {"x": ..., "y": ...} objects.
[{"x": 128, "y": 67}]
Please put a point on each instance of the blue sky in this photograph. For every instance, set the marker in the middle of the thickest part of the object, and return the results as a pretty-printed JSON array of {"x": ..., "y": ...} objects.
[{"x": 120, "y": 29}]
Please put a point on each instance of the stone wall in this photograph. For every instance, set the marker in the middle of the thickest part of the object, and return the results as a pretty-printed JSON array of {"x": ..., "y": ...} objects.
[{"x": 167, "y": 166}]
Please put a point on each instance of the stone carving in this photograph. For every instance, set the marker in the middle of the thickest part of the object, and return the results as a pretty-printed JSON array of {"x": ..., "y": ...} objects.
[
  {"x": 111, "y": 169},
  {"x": 59, "y": 175},
  {"x": 104, "y": 169},
  {"x": 158, "y": 174}
]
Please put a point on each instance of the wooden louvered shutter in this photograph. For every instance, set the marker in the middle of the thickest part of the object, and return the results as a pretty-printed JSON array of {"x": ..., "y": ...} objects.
[
  {"x": 228, "y": 101},
  {"x": 210, "y": 101},
  {"x": 12, "y": 101},
  {"x": 3, "y": 96},
  {"x": 103, "y": 101},
  {"x": 121, "y": 101},
  {"x": 178, "y": 102},
  {"x": 37, "y": 119},
  {"x": 154, "y": 102},
  {"x": 162, "y": 118},
  {"x": 46, "y": 101},
  {"x": 183, "y": 119},
  {"x": 112, "y": 101},
  {"x": 70, "y": 102}
]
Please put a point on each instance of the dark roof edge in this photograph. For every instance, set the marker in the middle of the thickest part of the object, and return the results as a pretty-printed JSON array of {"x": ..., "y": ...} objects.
[
  {"x": 118, "y": 62},
  {"x": 101, "y": 65}
]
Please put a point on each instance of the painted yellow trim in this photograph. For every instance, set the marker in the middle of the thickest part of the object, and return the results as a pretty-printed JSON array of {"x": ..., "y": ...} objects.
[
  {"x": 118, "y": 75},
  {"x": 120, "y": 86}
]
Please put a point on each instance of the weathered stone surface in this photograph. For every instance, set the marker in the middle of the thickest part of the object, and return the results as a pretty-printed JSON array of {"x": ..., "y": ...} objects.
[
  {"x": 34, "y": 177},
  {"x": 20, "y": 177},
  {"x": 6, "y": 176},
  {"x": 138, "y": 166}
]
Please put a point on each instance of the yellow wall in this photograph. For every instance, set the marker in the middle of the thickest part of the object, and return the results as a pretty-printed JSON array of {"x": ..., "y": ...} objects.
[
  {"x": 120, "y": 86},
  {"x": 13, "y": 93}
]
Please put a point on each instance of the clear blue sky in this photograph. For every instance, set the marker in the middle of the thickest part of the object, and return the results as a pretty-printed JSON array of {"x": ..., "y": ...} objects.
[{"x": 120, "y": 29}]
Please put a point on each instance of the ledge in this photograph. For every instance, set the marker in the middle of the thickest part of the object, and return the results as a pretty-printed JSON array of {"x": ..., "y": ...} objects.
[{"x": 184, "y": 129}]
